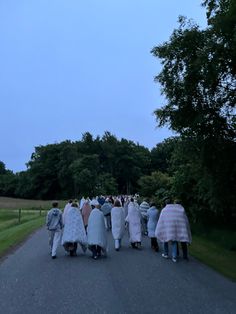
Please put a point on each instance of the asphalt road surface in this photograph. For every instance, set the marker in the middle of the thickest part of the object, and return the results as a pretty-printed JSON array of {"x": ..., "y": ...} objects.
[{"x": 128, "y": 281}]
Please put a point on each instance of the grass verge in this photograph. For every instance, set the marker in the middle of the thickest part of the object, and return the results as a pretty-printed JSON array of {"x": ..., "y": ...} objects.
[
  {"x": 11, "y": 237},
  {"x": 214, "y": 255}
]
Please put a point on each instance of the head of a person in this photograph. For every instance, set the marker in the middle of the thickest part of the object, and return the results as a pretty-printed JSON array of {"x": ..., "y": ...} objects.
[
  {"x": 70, "y": 201},
  {"x": 74, "y": 204},
  {"x": 153, "y": 204},
  {"x": 98, "y": 206},
  {"x": 168, "y": 200},
  {"x": 55, "y": 204},
  {"x": 132, "y": 199},
  {"x": 177, "y": 200},
  {"x": 117, "y": 203}
]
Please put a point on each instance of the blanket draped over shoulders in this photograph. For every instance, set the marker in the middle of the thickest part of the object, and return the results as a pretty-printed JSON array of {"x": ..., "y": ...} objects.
[
  {"x": 74, "y": 230},
  {"x": 85, "y": 211},
  {"x": 134, "y": 220},
  {"x": 117, "y": 222},
  {"x": 173, "y": 224},
  {"x": 96, "y": 229},
  {"x": 153, "y": 215}
]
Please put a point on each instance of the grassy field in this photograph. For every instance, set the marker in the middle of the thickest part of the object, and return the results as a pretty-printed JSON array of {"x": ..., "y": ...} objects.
[
  {"x": 16, "y": 203},
  {"x": 14, "y": 230},
  {"x": 216, "y": 247},
  {"x": 10, "y": 237}
]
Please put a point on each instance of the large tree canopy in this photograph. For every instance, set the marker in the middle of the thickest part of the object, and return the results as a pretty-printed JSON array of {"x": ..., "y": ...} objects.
[{"x": 198, "y": 79}]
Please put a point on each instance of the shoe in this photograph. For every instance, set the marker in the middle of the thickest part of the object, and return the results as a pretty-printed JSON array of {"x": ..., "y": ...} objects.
[
  {"x": 139, "y": 246},
  {"x": 117, "y": 249},
  {"x": 174, "y": 260},
  {"x": 164, "y": 255},
  {"x": 54, "y": 256}
]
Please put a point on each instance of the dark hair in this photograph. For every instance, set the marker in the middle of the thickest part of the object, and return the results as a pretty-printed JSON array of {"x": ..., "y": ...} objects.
[
  {"x": 132, "y": 199},
  {"x": 117, "y": 203},
  {"x": 168, "y": 200},
  {"x": 153, "y": 205},
  {"x": 54, "y": 204},
  {"x": 177, "y": 200},
  {"x": 74, "y": 204},
  {"x": 70, "y": 201}
]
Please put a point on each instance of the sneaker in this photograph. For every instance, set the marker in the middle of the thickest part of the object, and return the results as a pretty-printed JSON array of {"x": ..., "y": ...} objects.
[
  {"x": 54, "y": 256},
  {"x": 164, "y": 255},
  {"x": 174, "y": 260}
]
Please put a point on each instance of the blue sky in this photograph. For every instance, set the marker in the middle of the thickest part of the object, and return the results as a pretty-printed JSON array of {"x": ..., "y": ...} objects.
[{"x": 71, "y": 66}]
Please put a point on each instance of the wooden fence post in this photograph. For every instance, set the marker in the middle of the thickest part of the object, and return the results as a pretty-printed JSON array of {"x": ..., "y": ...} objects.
[{"x": 19, "y": 215}]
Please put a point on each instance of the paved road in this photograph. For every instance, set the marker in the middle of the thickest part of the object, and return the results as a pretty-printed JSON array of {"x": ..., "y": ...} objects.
[{"x": 128, "y": 281}]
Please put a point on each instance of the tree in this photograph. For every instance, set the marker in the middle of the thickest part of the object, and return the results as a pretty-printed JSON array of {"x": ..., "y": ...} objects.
[
  {"x": 85, "y": 171},
  {"x": 161, "y": 155},
  {"x": 157, "y": 185},
  {"x": 198, "y": 80},
  {"x": 8, "y": 181}
]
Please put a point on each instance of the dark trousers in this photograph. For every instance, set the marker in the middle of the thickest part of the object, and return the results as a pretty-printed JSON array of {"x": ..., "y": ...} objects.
[
  {"x": 96, "y": 250},
  {"x": 154, "y": 244},
  {"x": 184, "y": 247},
  {"x": 71, "y": 248}
]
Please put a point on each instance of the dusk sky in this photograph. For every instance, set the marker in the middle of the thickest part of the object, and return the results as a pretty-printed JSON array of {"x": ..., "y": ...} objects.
[{"x": 72, "y": 66}]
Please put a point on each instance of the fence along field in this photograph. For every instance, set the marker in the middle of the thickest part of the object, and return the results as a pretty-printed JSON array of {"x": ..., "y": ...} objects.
[{"x": 18, "y": 218}]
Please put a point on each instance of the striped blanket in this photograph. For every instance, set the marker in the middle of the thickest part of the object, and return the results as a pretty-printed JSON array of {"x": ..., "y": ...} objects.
[{"x": 173, "y": 225}]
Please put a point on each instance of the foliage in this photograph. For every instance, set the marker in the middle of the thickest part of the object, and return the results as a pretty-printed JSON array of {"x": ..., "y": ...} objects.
[
  {"x": 88, "y": 167},
  {"x": 198, "y": 80},
  {"x": 161, "y": 155},
  {"x": 7, "y": 181},
  {"x": 156, "y": 186}
]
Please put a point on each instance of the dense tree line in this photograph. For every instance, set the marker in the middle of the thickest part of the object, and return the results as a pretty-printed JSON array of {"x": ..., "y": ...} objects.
[{"x": 89, "y": 167}]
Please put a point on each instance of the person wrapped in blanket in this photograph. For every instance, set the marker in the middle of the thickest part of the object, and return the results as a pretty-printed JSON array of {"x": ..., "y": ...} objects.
[
  {"x": 74, "y": 231},
  {"x": 97, "y": 235},
  {"x": 173, "y": 226}
]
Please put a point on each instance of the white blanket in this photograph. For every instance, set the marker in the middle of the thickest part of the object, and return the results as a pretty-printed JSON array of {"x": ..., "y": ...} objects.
[
  {"x": 117, "y": 222},
  {"x": 74, "y": 230},
  {"x": 134, "y": 220},
  {"x": 97, "y": 234}
]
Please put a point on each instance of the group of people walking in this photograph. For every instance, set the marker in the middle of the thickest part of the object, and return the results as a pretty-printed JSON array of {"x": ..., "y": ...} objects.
[{"x": 86, "y": 223}]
